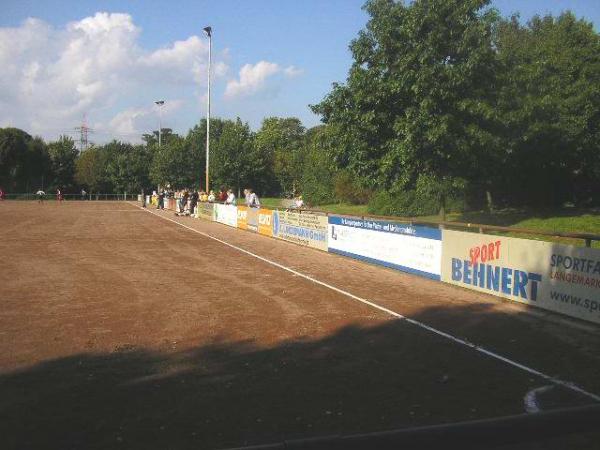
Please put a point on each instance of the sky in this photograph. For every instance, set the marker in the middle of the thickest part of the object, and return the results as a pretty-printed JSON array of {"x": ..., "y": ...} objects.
[{"x": 61, "y": 60}]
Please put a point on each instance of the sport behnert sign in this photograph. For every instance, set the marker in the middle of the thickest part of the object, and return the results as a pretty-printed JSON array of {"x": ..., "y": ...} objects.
[{"x": 556, "y": 277}]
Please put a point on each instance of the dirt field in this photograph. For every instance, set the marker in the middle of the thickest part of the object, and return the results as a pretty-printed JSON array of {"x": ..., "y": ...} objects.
[{"x": 119, "y": 329}]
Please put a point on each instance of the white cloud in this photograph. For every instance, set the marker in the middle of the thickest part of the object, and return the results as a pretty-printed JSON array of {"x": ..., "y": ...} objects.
[
  {"x": 129, "y": 122},
  {"x": 252, "y": 79},
  {"x": 51, "y": 76},
  {"x": 292, "y": 71}
]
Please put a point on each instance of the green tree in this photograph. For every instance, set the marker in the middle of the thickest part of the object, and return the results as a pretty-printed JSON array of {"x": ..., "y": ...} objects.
[
  {"x": 174, "y": 164},
  {"x": 24, "y": 161},
  {"x": 419, "y": 96},
  {"x": 63, "y": 155},
  {"x": 318, "y": 167},
  {"x": 549, "y": 104},
  {"x": 232, "y": 155},
  {"x": 279, "y": 145},
  {"x": 128, "y": 167},
  {"x": 35, "y": 170},
  {"x": 90, "y": 170},
  {"x": 151, "y": 139}
]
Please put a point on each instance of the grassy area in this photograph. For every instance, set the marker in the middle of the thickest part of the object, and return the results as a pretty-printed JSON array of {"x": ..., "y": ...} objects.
[
  {"x": 268, "y": 202},
  {"x": 344, "y": 208},
  {"x": 567, "y": 220}
]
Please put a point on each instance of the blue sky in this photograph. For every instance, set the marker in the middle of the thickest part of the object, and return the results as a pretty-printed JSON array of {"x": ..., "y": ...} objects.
[{"x": 291, "y": 50}]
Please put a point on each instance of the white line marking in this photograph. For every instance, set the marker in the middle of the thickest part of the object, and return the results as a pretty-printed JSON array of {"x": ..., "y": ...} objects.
[
  {"x": 531, "y": 404},
  {"x": 569, "y": 385}
]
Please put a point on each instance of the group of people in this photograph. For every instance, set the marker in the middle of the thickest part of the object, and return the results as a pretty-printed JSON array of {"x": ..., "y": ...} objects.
[
  {"x": 41, "y": 196},
  {"x": 186, "y": 200}
]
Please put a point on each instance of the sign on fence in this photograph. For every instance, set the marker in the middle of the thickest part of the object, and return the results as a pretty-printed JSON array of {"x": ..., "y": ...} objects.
[
  {"x": 242, "y": 217},
  {"x": 556, "y": 277},
  {"x": 410, "y": 248},
  {"x": 265, "y": 222},
  {"x": 302, "y": 228},
  {"x": 206, "y": 211},
  {"x": 252, "y": 219},
  {"x": 226, "y": 214}
]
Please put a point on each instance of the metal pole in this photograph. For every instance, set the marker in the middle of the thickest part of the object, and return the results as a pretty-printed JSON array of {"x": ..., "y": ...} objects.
[
  {"x": 160, "y": 104},
  {"x": 208, "y": 31},
  {"x": 159, "y": 125}
]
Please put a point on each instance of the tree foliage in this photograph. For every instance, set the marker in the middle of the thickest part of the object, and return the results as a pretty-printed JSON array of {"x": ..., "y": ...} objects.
[
  {"x": 549, "y": 105},
  {"x": 448, "y": 94},
  {"x": 24, "y": 160},
  {"x": 63, "y": 155}
]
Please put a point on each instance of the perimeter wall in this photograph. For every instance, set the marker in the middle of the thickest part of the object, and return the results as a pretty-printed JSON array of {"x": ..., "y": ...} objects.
[{"x": 555, "y": 277}]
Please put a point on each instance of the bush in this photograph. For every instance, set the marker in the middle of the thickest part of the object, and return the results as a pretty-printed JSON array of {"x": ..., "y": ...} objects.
[
  {"x": 426, "y": 199},
  {"x": 347, "y": 190}
]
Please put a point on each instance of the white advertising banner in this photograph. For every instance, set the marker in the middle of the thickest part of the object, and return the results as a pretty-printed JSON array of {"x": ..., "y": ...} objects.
[
  {"x": 556, "y": 277},
  {"x": 303, "y": 228},
  {"x": 410, "y": 248},
  {"x": 226, "y": 214}
]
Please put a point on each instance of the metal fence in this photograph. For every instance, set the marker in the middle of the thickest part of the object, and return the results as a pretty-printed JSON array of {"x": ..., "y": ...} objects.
[{"x": 75, "y": 197}]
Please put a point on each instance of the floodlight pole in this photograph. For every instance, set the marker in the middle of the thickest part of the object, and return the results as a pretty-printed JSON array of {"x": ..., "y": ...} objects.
[
  {"x": 160, "y": 104},
  {"x": 208, "y": 31}
]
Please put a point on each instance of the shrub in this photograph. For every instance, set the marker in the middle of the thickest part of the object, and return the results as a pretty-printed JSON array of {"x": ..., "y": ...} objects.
[
  {"x": 347, "y": 190},
  {"x": 426, "y": 199}
]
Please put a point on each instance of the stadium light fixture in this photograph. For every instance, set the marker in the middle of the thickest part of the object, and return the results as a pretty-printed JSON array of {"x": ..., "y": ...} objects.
[
  {"x": 160, "y": 104},
  {"x": 208, "y": 31}
]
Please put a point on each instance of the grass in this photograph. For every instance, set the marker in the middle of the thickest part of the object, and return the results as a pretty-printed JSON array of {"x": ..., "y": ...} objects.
[
  {"x": 269, "y": 202},
  {"x": 566, "y": 220}
]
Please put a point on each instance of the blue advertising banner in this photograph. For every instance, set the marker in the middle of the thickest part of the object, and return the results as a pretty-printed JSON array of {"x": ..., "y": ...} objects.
[{"x": 410, "y": 248}]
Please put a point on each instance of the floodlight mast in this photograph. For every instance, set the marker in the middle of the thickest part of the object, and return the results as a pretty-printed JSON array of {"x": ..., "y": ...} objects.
[
  {"x": 159, "y": 103},
  {"x": 208, "y": 31}
]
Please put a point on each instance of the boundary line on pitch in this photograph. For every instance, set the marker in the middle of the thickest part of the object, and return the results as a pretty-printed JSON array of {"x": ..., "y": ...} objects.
[{"x": 566, "y": 384}]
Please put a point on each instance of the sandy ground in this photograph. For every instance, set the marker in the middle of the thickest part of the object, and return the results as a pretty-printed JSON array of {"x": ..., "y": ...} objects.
[{"x": 120, "y": 328}]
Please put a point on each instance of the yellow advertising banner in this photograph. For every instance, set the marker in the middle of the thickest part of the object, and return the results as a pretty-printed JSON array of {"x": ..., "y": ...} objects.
[
  {"x": 242, "y": 217},
  {"x": 265, "y": 222}
]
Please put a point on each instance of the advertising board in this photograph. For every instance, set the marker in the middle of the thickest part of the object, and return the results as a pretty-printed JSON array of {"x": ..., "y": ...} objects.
[
  {"x": 242, "y": 217},
  {"x": 205, "y": 210},
  {"x": 265, "y": 222},
  {"x": 252, "y": 219},
  {"x": 410, "y": 248},
  {"x": 226, "y": 214},
  {"x": 555, "y": 277},
  {"x": 304, "y": 228}
]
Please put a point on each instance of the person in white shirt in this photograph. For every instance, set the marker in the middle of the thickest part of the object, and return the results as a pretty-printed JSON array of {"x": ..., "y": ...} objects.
[
  {"x": 252, "y": 199},
  {"x": 230, "y": 198},
  {"x": 211, "y": 197},
  {"x": 299, "y": 202}
]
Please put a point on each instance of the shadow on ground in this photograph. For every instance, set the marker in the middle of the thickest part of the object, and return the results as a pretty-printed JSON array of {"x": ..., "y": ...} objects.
[{"x": 231, "y": 394}]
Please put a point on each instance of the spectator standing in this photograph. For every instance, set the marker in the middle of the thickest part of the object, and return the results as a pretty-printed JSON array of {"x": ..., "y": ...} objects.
[
  {"x": 2, "y": 194},
  {"x": 211, "y": 197},
  {"x": 184, "y": 200},
  {"x": 298, "y": 202},
  {"x": 59, "y": 196},
  {"x": 83, "y": 194},
  {"x": 252, "y": 199},
  {"x": 230, "y": 200},
  {"x": 193, "y": 201},
  {"x": 41, "y": 196},
  {"x": 222, "y": 195}
]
